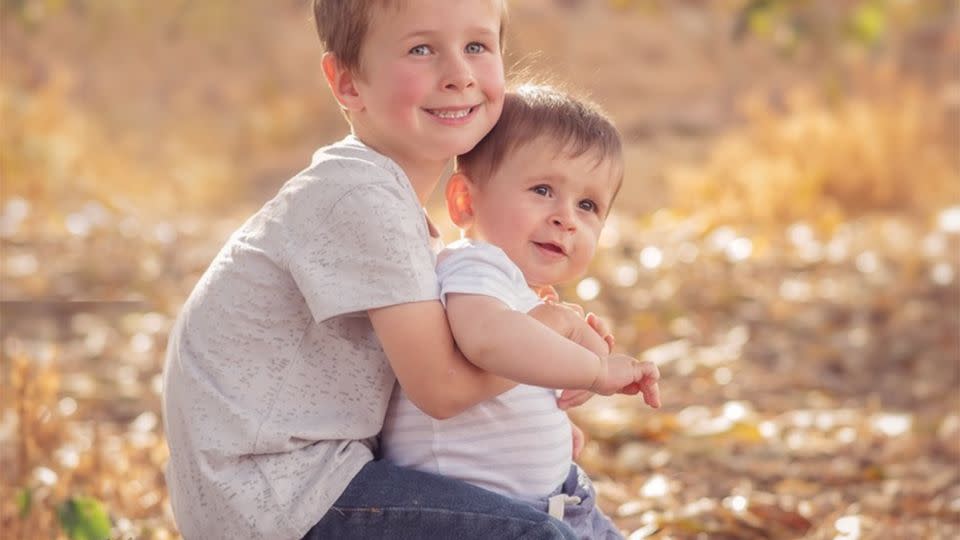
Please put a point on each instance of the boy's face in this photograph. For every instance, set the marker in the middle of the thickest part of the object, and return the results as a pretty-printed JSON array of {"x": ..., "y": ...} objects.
[
  {"x": 431, "y": 79},
  {"x": 545, "y": 210}
]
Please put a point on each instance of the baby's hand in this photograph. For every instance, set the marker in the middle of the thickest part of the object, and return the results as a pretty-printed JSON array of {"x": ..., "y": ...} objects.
[
  {"x": 649, "y": 386},
  {"x": 622, "y": 374}
]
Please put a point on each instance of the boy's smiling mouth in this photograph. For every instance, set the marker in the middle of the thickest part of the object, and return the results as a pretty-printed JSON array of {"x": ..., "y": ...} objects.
[{"x": 452, "y": 113}]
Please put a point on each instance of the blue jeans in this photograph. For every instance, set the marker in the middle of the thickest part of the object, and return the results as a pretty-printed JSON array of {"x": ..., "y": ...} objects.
[{"x": 387, "y": 501}]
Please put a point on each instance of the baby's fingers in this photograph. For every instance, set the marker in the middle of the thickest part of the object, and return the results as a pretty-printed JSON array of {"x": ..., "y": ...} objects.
[
  {"x": 648, "y": 371},
  {"x": 649, "y": 375},
  {"x": 548, "y": 294},
  {"x": 651, "y": 393}
]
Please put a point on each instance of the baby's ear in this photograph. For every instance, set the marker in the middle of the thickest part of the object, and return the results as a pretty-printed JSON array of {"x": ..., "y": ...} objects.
[
  {"x": 341, "y": 82},
  {"x": 459, "y": 200}
]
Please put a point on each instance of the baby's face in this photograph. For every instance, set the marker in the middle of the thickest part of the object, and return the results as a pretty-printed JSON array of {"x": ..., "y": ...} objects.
[{"x": 545, "y": 210}]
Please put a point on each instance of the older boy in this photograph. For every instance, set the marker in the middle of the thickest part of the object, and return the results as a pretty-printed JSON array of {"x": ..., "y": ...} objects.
[
  {"x": 531, "y": 199},
  {"x": 282, "y": 361}
]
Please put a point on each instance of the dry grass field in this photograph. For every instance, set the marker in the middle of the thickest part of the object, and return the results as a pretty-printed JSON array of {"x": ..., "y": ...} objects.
[{"x": 786, "y": 247}]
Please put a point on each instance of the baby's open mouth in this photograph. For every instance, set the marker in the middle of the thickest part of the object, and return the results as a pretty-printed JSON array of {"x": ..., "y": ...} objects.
[{"x": 549, "y": 246}]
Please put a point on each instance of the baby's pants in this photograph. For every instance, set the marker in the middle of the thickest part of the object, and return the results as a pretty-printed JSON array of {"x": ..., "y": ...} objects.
[{"x": 583, "y": 515}]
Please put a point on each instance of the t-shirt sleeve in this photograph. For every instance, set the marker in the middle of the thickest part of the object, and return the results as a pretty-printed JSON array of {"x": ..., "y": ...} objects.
[
  {"x": 370, "y": 249},
  {"x": 480, "y": 269}
]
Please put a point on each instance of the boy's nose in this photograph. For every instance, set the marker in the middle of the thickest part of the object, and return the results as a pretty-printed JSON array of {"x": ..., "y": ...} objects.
[{"x": 458, "y": 75}]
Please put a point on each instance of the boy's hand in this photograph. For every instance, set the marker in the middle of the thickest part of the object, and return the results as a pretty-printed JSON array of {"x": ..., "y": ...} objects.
[
  {"x": 602, "y": 329},
  {"x": 568, "y": 321},
  {"x": 574, "y": 398},
  {"x": 579, "y": 439},
  {"x": 548, "y": 294},
  {"x": 623, "y": 374}
]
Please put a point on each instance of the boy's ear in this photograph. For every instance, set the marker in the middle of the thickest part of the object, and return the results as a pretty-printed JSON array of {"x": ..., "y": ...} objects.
[
  {"x": 342, "y": 83},
  {"x": 460, "y": 200}
]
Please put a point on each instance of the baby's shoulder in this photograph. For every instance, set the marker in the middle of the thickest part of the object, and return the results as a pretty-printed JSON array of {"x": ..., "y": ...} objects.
[
  {"x": 473, "y": 250},
  {"x": 467, "y": 253}
]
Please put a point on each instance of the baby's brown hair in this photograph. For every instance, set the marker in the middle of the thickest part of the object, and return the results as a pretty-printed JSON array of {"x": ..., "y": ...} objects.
[{"x": 532, "y": 111}]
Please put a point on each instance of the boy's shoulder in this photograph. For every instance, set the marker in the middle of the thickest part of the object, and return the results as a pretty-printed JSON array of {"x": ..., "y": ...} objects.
[
  {"x": 350, "y": 161},
  {"x": 341, "y": 168},
  {"x": 346, "y": 182}
]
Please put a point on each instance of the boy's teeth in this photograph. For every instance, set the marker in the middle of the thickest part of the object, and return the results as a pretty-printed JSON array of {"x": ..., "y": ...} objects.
[{"x": 451, "y": 114}]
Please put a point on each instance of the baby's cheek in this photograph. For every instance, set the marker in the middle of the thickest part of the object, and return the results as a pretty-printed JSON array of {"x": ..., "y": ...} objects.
[{"x": 589, "y": 248}]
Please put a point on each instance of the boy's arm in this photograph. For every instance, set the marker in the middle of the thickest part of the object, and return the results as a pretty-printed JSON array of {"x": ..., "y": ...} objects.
[
  {"x": 434, "y": 374},
  {"x": 519, "y": 347}
]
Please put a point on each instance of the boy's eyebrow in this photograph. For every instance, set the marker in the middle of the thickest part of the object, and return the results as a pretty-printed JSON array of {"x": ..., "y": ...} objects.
[{"x": 430, "y": 33}]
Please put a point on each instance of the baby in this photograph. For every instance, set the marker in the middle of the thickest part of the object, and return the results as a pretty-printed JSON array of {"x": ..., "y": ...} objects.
[{"x": 531, "y": 199}]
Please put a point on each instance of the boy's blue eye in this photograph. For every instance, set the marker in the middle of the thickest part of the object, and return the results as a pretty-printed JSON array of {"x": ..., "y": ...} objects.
[
  {"x": 476, "y": 48},
  {"x": 588, "y": 205},
  {"x": 541, "y": 190},
  {"x": 420, "y": 50}
]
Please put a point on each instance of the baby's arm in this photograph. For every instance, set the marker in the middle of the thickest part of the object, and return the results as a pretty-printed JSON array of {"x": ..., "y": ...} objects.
[
  {"x": 517, "y": 346},
  {"x": 434, "y": 374}
]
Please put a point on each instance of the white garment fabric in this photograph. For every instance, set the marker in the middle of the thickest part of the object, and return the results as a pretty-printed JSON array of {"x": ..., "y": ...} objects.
[
  {"x": 275, "y": 384},
  {"x": 518, "y": 444}
]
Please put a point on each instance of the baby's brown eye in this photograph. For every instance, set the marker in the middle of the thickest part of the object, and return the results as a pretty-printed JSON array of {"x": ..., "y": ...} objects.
[{"x": 588, "y": 205}]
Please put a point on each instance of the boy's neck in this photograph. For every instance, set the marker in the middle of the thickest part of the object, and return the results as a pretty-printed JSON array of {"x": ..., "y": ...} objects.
[{"x": 423, "y": 174}]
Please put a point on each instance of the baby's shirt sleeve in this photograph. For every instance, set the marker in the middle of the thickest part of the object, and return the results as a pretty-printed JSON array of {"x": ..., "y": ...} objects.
[
  {"x": 483, "y": 269},
  {"x": 370, "y": 249}
]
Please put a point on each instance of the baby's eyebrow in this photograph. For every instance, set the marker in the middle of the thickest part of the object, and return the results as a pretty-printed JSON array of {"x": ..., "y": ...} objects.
[{"x": 553, "y": 177}]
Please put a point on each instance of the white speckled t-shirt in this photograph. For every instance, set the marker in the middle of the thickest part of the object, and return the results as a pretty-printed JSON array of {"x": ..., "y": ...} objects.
[{"x": 275, "y": 383}]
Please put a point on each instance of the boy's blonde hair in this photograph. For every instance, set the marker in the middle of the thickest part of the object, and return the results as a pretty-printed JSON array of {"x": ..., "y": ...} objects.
[
  {"x": 530, "y": 112},
  {"x": 342, "y": 26}
]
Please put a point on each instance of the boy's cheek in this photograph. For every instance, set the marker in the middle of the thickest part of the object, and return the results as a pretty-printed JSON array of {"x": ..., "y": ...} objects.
[
  {"x": 490, "y": 73},
  {"x": 406, "y": 87}
]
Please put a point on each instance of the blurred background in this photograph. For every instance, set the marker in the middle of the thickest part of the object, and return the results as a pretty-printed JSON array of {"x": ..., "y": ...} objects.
[{"x": 786, "y": 247}]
